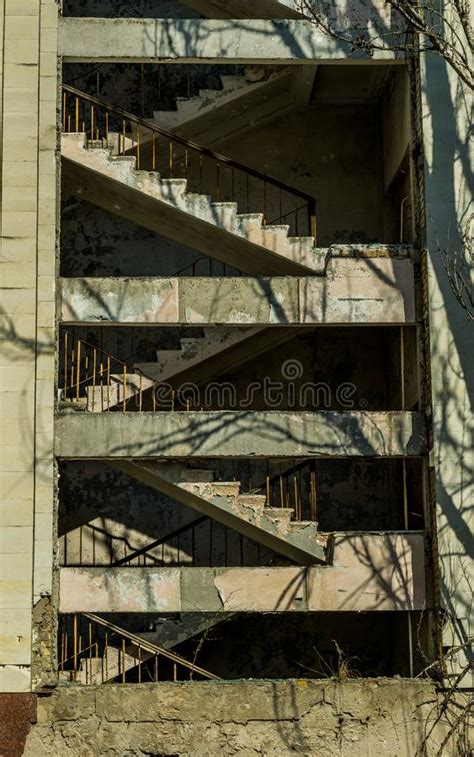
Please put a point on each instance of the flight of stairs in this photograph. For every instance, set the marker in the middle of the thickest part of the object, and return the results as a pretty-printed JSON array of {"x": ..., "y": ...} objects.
[
  {"x": 194, "y": 351},
  {"x": 217, "y": 115},
  {"x": 104, "y": 662},
  {"x": 97, "y": 670},
  {"x": 223, "y": 501},
  {"x": 199, "y": 359},
  {"x": 165, "y": 206},
  {"x": 119, "y": 391}
]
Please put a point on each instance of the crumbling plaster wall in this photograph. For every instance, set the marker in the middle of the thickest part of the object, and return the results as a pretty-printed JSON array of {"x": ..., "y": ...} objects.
[{"x": 253, "y": 718}]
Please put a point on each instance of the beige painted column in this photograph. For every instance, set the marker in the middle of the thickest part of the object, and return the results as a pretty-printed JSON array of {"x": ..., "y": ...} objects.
[
  {"x": 446, "y": 111},
  {"x": 27, "y": 328}
]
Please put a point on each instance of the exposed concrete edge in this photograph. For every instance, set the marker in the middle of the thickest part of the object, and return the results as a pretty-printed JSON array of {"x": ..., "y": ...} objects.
[
  {"x": 369, "y": 289},
  {"x": 375, "y": 572},
  {"x": 163, "y": 435},
  {"x": 193, "y": 40}
]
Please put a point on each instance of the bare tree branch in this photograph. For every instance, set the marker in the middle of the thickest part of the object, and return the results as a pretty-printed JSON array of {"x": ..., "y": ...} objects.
[
  {"x": 458, "y": 265},
  {"x": 415, "y": 28}
]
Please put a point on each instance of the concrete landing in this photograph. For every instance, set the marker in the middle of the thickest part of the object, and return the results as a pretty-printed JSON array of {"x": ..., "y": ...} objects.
[
  {"x": 233, "y": 434},
  {"x": 353, "y": 290},
  {"x": 370, "y": 572}
]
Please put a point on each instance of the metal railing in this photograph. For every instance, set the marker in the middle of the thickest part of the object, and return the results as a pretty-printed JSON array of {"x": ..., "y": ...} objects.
[
  {"x": 203, "y": 541},
  {"x": 292, "y": 487},
  {"x": 208, "y": 172},
  {"x": 90, "y": 374},
  {"x": 93, "y": 650}
]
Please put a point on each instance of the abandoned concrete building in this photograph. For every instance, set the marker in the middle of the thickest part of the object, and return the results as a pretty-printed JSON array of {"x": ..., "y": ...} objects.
[{"x": 235, "y": 468}]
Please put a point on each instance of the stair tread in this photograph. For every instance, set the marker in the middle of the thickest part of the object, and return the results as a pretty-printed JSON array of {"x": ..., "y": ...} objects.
[{"x": 221, "y": 214}]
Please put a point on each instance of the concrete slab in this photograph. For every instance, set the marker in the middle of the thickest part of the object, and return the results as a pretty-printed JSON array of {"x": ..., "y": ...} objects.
[
  {"x": 365, "y": 585},
  {"x": 238, "y": 434},
  {"x": 353, "y": 290},
  {"x": 192, "y": 40}
]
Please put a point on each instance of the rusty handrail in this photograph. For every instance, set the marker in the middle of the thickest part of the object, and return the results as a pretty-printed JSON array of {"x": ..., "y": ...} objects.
[
  {"x": 148, "y": 124},
  {"x": 95, "y": 129}
]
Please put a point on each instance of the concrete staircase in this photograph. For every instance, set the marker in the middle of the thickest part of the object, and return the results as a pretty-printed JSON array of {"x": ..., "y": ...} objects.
[
  {"x": 134, "y": 650},
  {"x": 220, "y": 350},
  {"x": 245, "y": 513},
  {"x": 218, "y": 115},
  {"x": 165, "y": 206},
  {"x": 199, "y": 359},
  {"x": 96, "y": 670},
  {"x": 120, "y": 390}
]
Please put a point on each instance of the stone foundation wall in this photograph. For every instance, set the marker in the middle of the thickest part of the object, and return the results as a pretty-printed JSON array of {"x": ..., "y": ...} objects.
[{"x": 356, "y": 717}]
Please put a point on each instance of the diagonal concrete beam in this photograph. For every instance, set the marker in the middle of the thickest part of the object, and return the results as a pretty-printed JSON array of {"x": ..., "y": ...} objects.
[
  {"x": 205, "y": 40},
  {"x": 299, "y": 542},
  {"x": 245, "y": 8}
]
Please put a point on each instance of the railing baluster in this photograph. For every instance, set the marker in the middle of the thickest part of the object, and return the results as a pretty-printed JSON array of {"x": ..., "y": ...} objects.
[
  {"x": 314, "y": 514},
  {"x": 108, "y": 382},
  {"x": 124, "y": 387},
  {"x": 101, "y": 385},
  {"x": 78, "y": 368},
  {"x": 92, "y": 123},
  {"x": 75, "y": 645},
  {"x": 65, "y": 363},
  {"x": 106, "y": 651}
]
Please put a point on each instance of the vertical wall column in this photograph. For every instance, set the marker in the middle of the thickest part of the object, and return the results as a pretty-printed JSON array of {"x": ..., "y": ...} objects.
[
  {"x": 446, "y": 106},
  {"x": 27, "y": 338}
]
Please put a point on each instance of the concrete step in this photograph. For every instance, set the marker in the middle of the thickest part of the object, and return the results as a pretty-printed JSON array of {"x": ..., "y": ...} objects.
[
  {"x": 213, "y": 489},
  {"x": 207, "y": 117},
  {"x": 100, "y": 398},
  {"x": 221, "y": 501},
  {"x": 194, "y": 351},
  {"x": 163, "y": 206},
  {"x": 97, "y": 670}
]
